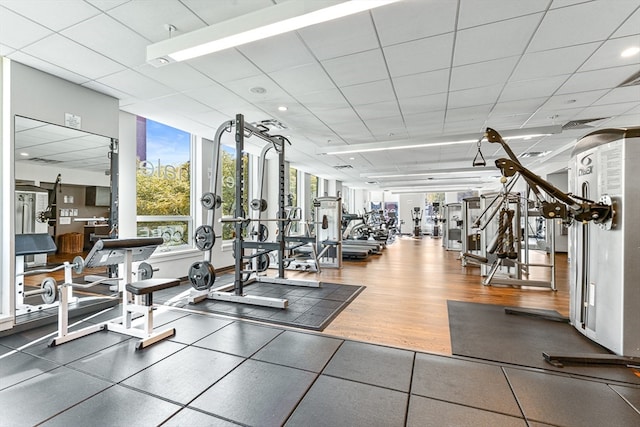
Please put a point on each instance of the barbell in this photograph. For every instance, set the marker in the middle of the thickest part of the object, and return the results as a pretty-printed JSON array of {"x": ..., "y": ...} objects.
[{"x": 48, "y": 291}]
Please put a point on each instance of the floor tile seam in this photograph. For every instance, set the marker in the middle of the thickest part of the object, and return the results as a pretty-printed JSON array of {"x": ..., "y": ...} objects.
[
  {"x": 513, "y": 392},
  {"x": 413, "y": 369},
  {"x": 571, "y": 375},
  {"x": 636, "y": 409},
  {"x": 50, "y": 417},
  {"x": 211, "y": 414},
  {"x": 469, "y": 406},
  {"x": 364, "y": 383},
  {"x": 317, "y": 377}
]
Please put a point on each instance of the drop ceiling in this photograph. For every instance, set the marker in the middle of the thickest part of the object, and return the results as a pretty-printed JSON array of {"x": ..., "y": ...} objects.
[{"x": 410, "y": 71}]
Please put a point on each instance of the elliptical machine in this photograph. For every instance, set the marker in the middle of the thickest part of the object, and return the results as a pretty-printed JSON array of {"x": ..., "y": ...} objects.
[{"x": 416, "y": 216}]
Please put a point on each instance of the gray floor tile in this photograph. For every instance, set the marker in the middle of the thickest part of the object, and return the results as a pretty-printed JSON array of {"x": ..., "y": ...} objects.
[
  {"x": 468, "y": 383},
  {"x": 191, "y": 418},
  {"x": 4, "y": 350},
  {"x": 17, "y": 367},
  {"x": 630, "y": 394},
  {"x": 120, "y": 361},
  {"x": 425, "y": 412},
  {"x": 565, "y": 401},
  {"x": 116, "y": 406},
  {"x": 76, "y": 349},
  {"x": 26, "y": 337},
  {"x": 299, "y": 350},
  {"x": 194, "y": 327},
  {"x": 182, "y": 376},
  {"x": 33, "y": 401},
  {"x": 372, "y": 364},
  {"x": 336, "y": 402},
  {"x": 242, "y": 339},
  {"x": 256, "y": 393}
]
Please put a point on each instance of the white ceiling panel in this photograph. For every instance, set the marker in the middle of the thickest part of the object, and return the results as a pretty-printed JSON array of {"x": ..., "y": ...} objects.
[
  {"x": 179, "y": 76},
  {"x": 269, "y": 55},
  {"x": 333, "y": 116},
  {"x": 378, "y": 110},
  {"x": 6, "y": 50},
  {"x": 61, "y": 51},
  {"x": 341, "y": 37},
  {"x": 107, "y": 90},
  {"x": 598, "y": 79},
  {"x": 136, "y": 84},
  {"x": 477, "y": 112},
  {"x": 47, "y": 67},
  {"x": 620, "y": 95},
  {"x": 420, "y": 84},
  {"x": 55, "y": 15},
  {"x": 347, "y": 70},
  {"x": 106, "y": 36},
  {"x": 592, "y": 21},
  {"x": 273, "y": 92},
  {"x": 369, "y": 93},
  {"x": 608, "y": 55},
  {"x": 414, "y": 19},
  {"x": 17, "y": 31},
  {"x": 526, "y": 89},
  {"x": 181, "y": 104},
  {"x": 574, "y": 100},
  {"x": 224, "y": 9},
  {"x": 332, "y": 98},
  {"x": 422, "y": 104},
  {"x": 225, "y": 66},
  {"x": 150, "y": 20},
  {"x": 106, "y": 4},
  {"x": 553, "y": 62},
  {"x": 475, "y": 96},
  {"x": 303, "y": 79},
  {"x": 516, "y": 108},
  {"x": 474, "y": 13},
  {"x": 482, "y": 74},
  {"x": 430, "y": 54},
  {"x": 617, "y": 109},
  {"x": 494, "y": 41},
  {"x": 630, "y": 26}
]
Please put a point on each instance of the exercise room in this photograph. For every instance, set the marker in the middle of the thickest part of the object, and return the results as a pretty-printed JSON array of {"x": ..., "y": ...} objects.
[{"x": 319, "y": 213}]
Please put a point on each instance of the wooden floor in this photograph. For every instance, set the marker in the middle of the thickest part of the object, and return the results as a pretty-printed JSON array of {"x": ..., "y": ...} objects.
[{"x": 407, "y": 288}]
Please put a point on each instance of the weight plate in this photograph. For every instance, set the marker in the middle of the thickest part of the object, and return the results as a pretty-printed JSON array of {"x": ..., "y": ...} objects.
[
  {"x": 145, "y": 271},
  {"x": 262, "y": 263},
  {"x": 78, "y": 264},
  {"x": 261, "y": 233},
  {"x": 259, "y": 205},
  {"x": 202, "y": 275},
  {"x": 210, "y": 201},
  {"x": 49, "y": 286},
  {"x": 205, "y": 237}
]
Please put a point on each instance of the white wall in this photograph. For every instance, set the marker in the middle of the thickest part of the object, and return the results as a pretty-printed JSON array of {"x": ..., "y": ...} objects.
[
  {"x": 6, "y": 201},
  {"x": 406, "y": 204},
  {"x": 561, "y": 181}
]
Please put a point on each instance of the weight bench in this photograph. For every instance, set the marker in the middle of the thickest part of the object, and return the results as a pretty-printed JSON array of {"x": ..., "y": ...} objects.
[{"x": 125, "y": 252}]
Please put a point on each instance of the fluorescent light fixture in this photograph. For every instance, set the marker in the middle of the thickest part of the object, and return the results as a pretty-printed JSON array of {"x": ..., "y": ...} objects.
[
  {"x": 440, "y": 141},
  {"x": 473, "y": 170},
  {"x": 260, "y": 24},
  {"x": 630, "y": 51}
]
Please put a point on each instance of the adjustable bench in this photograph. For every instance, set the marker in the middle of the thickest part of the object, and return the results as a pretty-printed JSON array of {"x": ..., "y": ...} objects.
[{"x": 124, "y": 252}]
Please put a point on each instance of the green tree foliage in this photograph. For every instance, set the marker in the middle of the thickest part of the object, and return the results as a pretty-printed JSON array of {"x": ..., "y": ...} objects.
[
  {"x": 164, "y": 191},
  {"x": 229, "y": 189}
]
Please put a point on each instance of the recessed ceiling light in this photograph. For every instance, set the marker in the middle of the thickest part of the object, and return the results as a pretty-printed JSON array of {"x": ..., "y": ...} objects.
[
  {"x": 630, "y": 51},
  {"x": 282, "y": 108},
  {"x": 259, "y": 90},
  {"x": 352, "y": 158},
  {"x": 24, "y": 154}
]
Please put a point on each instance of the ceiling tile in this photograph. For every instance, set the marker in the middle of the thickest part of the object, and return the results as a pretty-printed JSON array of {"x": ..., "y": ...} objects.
[
  {"x": 277, "y": 52},
  {"x": 303, "y": 79},
  {"x": 520, "y": 107},
  {"x": 243, "y": 88},
  {"x": 107, "y": 90},
  {"x": 217, "y": 96},
  {"x": 433, "y": 53},
  {"x": 609, "y": 110},
  {"x": 620, "y": 95},
  {"x": 106, "y": 4},
  {"x": 346, "y": 70},
  {"x": 478, "y": 112},
  {"x": 630, "y": 26},
  {"x": 496, "y": 40},
  {"x": 150, "y": 21},
  {"x": 107, "y": 37},
  {"x": 39, "y": 64},
  {"x": 475, "y": 96},
  {"x": 573, "y": 100},
  {"x": 378, "y": 110},
  {"x": 340, "y": 37},
  {"x": 178, "y": 76},
  {"x": 181, "y": 104},
  {"x": 55, "y": 15},
  {"x": 224, "y": 9},
  {"x": 527, "y": 89},
  {"x": 592, "y": 21},
  {"x": 425, "y": 123},
  {"x": 225, "y": 66},
  {"x": 333, "y": 116},
  {"x": 473, "y": 13},
  {"x": 17, "y": 32},
  {"x": 482, "y": 74},
  {"x": 555, "y": 62},
  {"x": 608, "y": 55},
  {"x": 598, "y": 79},
  {"x": 369, "y": 93},
  {"x": 413, "y": 20},
  {"x": 61, "y": 51},
  {"x": 135, "y": 84},
  {"x": 332, "y": 98},
  {"x": 6, "y": 50},
  {"x": 423, "y": 104},
  {"x": 428, "y": 83}
]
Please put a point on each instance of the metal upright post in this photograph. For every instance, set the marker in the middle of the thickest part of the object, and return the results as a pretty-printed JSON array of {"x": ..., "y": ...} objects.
[
  {"x": 281, "y": 210},
  {"x": 239, "y": 252}
]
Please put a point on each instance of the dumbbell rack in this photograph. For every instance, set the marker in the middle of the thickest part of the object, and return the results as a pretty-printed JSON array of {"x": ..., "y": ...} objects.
[{"x": 201, "y": 271}]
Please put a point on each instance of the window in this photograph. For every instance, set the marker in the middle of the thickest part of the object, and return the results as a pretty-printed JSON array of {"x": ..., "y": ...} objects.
[
  {"x": 229, "y": 187},
  {"x": 293, "y": 186},
  {"x": 163, "y": 184}
]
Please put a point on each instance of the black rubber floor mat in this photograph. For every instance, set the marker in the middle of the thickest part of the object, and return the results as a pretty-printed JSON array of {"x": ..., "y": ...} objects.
[
  {"x": 308, "y": 307},
  {"x": 485, "y": 331}
]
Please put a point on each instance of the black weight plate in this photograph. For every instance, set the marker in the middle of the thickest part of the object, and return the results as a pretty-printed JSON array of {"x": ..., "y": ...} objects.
[
  {"x": 205, "y": 238},
  {"x": 202, "y": 275},
  {"x": 145, "y": 271},
  {"x": 262, "y": 263}
]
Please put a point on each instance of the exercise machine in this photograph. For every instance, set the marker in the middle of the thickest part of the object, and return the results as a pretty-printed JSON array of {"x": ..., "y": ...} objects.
[
  {"x": 416, "y": 217},
  {"x": 471, "y": 242},
  {"x": 453, "y": 224}
]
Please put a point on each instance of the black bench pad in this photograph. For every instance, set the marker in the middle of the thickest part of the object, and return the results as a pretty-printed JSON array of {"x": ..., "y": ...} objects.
[{"x": 148, "y": 286}]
